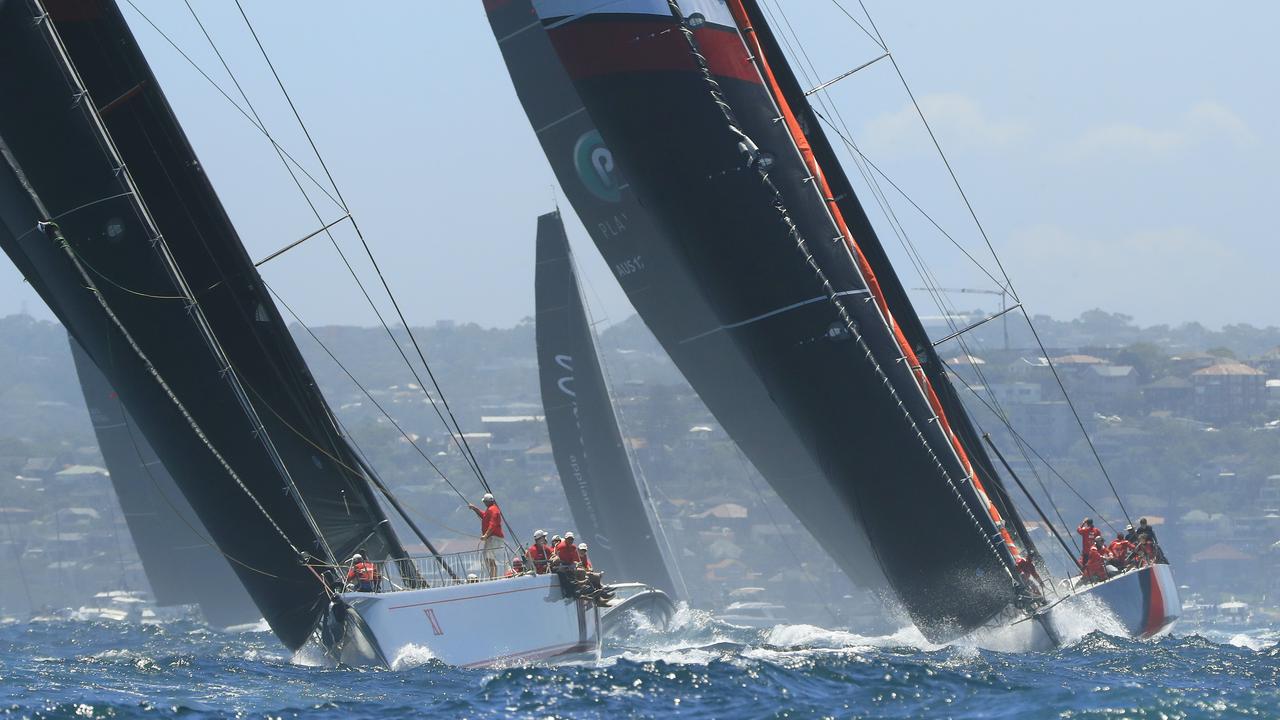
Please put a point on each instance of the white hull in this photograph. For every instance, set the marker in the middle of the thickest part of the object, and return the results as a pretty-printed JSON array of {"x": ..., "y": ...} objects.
[
  {"x": 1145, "y": 601},
  {"x": 472, "y": 624}
]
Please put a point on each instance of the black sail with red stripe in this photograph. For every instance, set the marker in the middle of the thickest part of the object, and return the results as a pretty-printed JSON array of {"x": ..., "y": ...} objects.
[
  {"x": 681, "y": 105},
  {"x": 665, "y": 293}
]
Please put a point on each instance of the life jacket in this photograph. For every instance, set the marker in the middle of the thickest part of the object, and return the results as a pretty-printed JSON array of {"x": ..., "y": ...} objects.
[
  {"x": 364, "y": 572},
  {"x": 539, "y": 554}
]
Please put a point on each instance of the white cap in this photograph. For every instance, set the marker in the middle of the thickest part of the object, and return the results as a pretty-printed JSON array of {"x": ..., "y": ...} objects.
[
  {"x": 487, "y": 497},
  {"x": 357, "y": 556},
  {"x": 583, "y": 547},
  {"x": 568, "y": 534},
  {"x": 539, "y": 533},
  {"x": 472, "y": 576}
]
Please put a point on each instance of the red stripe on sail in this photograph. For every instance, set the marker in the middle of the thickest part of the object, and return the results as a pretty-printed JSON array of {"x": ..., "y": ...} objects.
[{"x": 591, "y": 48}]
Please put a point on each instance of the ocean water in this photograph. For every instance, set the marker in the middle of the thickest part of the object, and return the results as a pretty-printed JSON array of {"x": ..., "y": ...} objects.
[{"x": 701, "y": 668}]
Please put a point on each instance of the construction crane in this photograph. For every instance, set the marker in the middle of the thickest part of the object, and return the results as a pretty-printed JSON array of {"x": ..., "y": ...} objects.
[{"x": 1004, "y": 294}]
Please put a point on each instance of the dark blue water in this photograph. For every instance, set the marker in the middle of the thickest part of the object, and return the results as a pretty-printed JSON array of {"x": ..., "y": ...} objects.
[{"x": 69, "y": 669}]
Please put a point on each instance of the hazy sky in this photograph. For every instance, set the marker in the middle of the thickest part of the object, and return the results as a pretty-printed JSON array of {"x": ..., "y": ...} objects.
[{"x": 1120, "y": 155}]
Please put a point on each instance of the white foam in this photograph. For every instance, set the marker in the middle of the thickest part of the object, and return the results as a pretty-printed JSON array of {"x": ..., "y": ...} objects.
[
  {"x": 1082, "y": 615},
  {"x": 1242, "y": 640},
  {"x": 412, "y": 656},
  {"x": 309, "y": 655}
]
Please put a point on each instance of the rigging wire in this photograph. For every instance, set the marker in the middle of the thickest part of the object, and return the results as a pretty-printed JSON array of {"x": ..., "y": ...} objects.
[
  {"x": 458, "y": 436},
  {"x": 991, "y": 248},
  {"x": 1047, "y": 464},
  {"x": 917, "y": 259},
  {"x": 233, "y": 103},
  {"x": 404, "y": 433},
  {"x": 326, "y": 229}
]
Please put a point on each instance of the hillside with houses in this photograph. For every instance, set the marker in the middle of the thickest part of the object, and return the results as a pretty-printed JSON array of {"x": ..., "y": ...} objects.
[{"x": 1186, "y": 421}]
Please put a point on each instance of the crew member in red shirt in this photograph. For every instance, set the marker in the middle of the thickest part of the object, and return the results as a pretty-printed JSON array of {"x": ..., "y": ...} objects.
[
  {"x": 364, "y": 573},
  {"x": 1027, "y": 568},
  {"x": 540, "y": 552},
  {"x": 1087, "y": 534},
  {"x": 1119, "y": 550},
  {"x": 1095, "y": 570},
  {"x": 491, "y": 536},
  {"x": 586, "y": 561},
  {"x": 517, "y": 568},
  {"x": 566, "y": 553}
]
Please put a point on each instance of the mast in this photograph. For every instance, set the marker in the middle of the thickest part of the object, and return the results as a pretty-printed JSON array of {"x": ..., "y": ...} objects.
[
  {"x": 175, "y": 315},
  {"x": 689, "y": 105},
  {"x": 595, "y": 469}
]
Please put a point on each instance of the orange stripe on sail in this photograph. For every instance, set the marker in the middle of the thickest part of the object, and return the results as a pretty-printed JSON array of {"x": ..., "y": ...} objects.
[{"x": 743, "y": 21}]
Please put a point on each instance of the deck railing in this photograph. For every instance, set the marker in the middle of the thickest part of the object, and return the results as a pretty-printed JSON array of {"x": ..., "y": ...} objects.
[{"x": 421, "y": 571}]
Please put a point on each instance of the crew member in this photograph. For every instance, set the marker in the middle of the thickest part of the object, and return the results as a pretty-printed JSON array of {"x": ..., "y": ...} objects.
[
  {"x": 1145, "y": 554},
  {"x": 1130, "y": 534},
  {"x": 1094, "y": 568},
  {"x": 1119, "y": 549},
  {"x": 566, "y": 552},
  {"x": 602, "y": 594},
  {"x": 540, "y": 552},
  {"x": 1145, "y": 528},
  {"x": 490, "y": 531},
  {"x": 1087, "y": 533},
  {"x": 517, "y": 567},
  {"x": 1027, "y": 568},
  {"x": 363, "y": 573}
]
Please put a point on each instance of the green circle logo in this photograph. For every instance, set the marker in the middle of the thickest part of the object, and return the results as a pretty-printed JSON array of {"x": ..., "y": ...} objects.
[{"x": 595, "y": 166}]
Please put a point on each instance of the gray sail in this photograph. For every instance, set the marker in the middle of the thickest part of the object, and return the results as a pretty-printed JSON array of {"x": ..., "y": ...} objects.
[
  {"x": 183, "y": 567},
  {"x": 607, "y": 503}
]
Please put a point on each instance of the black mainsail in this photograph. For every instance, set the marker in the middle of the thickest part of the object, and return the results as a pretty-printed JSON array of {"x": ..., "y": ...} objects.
[
  {"x": 686, "y": 99},
  {"x": 665, "y": 293},
  {"x": 595, "y": 469},
  {"x": 182, "y": 566},
  {"x": 106, "y": 210}
]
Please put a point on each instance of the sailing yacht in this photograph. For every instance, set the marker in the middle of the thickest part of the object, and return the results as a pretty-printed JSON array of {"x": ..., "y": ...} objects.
[
  {"x": 686, "y": 143},
  {"x": 106, "y": 211}
]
